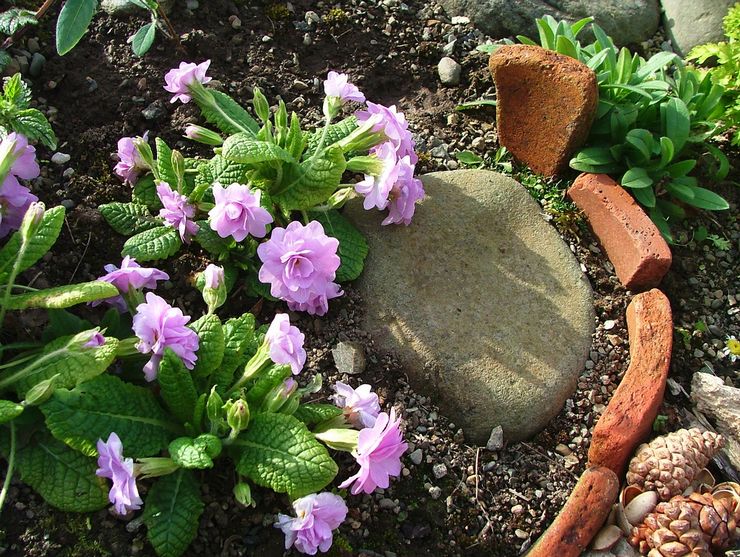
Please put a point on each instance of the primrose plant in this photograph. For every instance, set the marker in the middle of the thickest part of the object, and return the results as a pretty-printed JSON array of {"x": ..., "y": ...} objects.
[
  {"x": 184, "y": 394},
  {"x": 240, "y": 204}
]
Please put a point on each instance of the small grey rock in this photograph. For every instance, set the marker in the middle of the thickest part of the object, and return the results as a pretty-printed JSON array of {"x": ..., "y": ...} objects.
[
  {"x": 496, "y": 440},
  {"x": 449, "y": 71},
  {"x": 60, "y": 158},
  {"x": 349, "y": 357},
  {"x": 416, "y": 456},
  {"x": 37, "y": 64},
  {"x": 435, "y": 492},
  {"x": 154, "y": 111},
  {"x": 439, "y": 471},
  {"x": 386, "y": 503},
  {"x": 33, "y": 45},
  {"x": 67, "y": 204}
]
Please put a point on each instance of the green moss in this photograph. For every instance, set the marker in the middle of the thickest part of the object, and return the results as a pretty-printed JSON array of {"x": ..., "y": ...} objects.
[
  {"x": 335, "y": 16},
  {"x": 79, "y": 527},
  {"x": 277, "y": 12}
]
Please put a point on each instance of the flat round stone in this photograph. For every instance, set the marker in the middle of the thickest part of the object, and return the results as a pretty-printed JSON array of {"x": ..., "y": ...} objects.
[{"x": 482, "y": 301}]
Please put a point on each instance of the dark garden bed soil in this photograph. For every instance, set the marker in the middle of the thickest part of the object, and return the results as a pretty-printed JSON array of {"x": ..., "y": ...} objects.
[{"x": 453, "y": 499}]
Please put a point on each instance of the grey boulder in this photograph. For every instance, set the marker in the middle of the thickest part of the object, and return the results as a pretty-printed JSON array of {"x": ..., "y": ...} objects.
[
  {"x": 627, "y": 21},
  {"x": 693, "y": 22},
  {"x": 481, "y": 300}
]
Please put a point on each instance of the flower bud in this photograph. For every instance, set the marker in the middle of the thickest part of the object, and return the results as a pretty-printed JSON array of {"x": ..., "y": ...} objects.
[
  {"x": 145, "y": 152},
  {"x": 214, "y": 291},
  {"x": 32, "y": 220},
  {"x": 340, "y": 439},
  {"x": 96, "y": 340},
  {"x": 215, "y": 407},
  {"x": 155, "y": 466},
  {"x": 243, "y": 494},
  {"x": 203, "y": 135},
  {"x": 278, "y": 396},
  {"x": 237, "y": 416},
  {"x": 41, "y": 392}
]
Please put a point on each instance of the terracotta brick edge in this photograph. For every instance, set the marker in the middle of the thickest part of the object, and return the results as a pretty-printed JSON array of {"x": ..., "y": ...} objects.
[
  {"x": 582, "y": 516},
  {"x": 634, "y": 245},
  {"x": 629, "y": 416}
]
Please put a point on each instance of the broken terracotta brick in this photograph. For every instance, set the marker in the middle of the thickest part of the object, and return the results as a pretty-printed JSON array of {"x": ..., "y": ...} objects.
[
  {"x": 545, "y": 105},
  {"x": 629, "y": 416},
  {"x": 634, "y": 245},
  {"x": 582, "y": 516}
]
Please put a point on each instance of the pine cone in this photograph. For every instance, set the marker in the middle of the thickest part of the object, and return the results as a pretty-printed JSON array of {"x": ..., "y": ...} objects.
[
  {"x": 693, "y": 526},
  {"x": 669, "y": 463}
]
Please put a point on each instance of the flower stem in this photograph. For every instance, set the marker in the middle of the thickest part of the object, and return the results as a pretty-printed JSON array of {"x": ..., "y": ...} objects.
[
  {"x": 11, "y": 279},
  {"x": 11, "y": 466},
  {"x": 173, "y": 35}
]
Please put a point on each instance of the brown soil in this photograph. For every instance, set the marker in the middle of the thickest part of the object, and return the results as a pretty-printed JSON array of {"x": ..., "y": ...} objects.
[{"x": 488, "y": 503}]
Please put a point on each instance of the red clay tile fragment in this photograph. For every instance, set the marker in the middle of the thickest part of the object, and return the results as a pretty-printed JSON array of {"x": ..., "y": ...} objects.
[
  {"x": 629, "y": 416},
  {"x": 640, "y": 255},
  {"x": 582, "y": 516},
  {"x": 545, "y": 104}
]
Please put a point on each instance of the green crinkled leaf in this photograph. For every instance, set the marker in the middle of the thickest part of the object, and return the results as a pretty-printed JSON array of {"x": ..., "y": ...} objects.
[
  {"x": 195, "y": 453},
  {"x": 33, "y": 124},
  {"x": 172, "y": 513},
  {"x": 312, "y": 414},
  {"x": 227, "y": 115},
  {"x": 14, "y": 19},
  {"x": 164, "y": 163},
  {"x": 310, "y": 183},
  {"x": 223, "y": 171},
  {"x": 63, "y": 296},
  {"x": 65, "y": 478},
  {"x": 353, "y": 247},
  {"x": 72, "y": 23},
  {"x": 63, "y": 323},
  {"x": 65, "y": 356},
  {"x": 16, "y": 91},
  {"x": 129, "y": 218},
  {"x": 243, "y": 148},
  {"x": 145, "y": 193},
  {"x": 211, "y": 346},
  {"x": 278, "y": 451},
  {"x": 41, "y": 242},
  {"x": 177, "y": 387},
  {"x": 209, "y": 240},
  {"x": 94, "y": 409},
  {"x": 239, "y": 339},
  {"x": 4, "y": 59},
  {"x": 9, "y": 410},
  {"x": 336, "y": 132},
  {"x": 153, "y": 244}
]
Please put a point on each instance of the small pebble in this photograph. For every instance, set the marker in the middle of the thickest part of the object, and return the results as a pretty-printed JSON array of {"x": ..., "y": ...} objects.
[
  {"x": 416, "y": 456},
  {"x": 609, "y": 324},
  {"x": 439, "y": 471},
  {"x": 60, "y": 158},
  {"x": 449, "y": 71}
]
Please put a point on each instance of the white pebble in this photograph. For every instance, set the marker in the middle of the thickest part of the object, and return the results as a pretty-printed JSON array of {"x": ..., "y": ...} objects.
[
  {"x": 60, "y": 158},
  {"x": 609, "y": 324}
]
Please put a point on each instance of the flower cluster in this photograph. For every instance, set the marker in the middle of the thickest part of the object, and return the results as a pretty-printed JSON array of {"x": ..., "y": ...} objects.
[
  {"x": 123, "y": 494},
  {"x": 316, "y": 516},
  {"x": 378, "y": 453},
  {"x": 286, "y": 343},
  {"x": 238, "y": 213},
  {"x": 300, "y": 263},
  {"x": 17, "y": 160},
  {"x": 158, "y": 326},
  {"x": 130, "y": 276},
  {"x": 179, "y": 80},
  {"x": 395, "y": 187},
  {"x": 130, "y": 164},
  {"x": 177, "y": 211}
]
